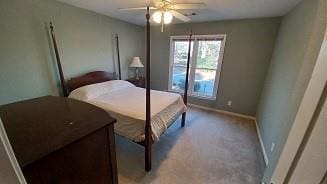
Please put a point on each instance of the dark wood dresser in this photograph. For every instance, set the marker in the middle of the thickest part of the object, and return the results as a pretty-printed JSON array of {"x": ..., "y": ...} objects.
[{"x": 61, "y": 141}]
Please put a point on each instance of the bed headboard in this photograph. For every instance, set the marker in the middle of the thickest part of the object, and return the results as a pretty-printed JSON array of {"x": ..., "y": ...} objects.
[{"x": 89, "y": 78}]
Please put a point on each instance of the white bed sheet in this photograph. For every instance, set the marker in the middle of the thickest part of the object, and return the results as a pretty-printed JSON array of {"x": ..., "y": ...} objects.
[{"x": 127, "y": 105}]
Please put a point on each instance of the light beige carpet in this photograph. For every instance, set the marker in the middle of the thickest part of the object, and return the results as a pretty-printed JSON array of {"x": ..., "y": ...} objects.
[{"x": 211, "y": 148}]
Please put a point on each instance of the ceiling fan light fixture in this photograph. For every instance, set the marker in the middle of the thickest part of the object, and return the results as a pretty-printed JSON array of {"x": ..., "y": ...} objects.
[
  {"x": 166, "y": 11},
  {"x": 157, "y": 17},
  {"x": 168, "y": 17}
]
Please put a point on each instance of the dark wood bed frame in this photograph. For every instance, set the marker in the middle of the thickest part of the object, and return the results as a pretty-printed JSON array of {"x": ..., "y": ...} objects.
[{"x": 102, "y": 76}]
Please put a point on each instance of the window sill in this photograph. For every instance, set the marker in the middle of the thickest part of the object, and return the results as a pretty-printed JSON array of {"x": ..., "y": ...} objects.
[{"x": 194, "y": 96}]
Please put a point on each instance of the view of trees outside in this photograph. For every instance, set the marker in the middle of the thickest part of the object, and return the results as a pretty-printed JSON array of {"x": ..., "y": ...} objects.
[{"x": 205, "y": 69}]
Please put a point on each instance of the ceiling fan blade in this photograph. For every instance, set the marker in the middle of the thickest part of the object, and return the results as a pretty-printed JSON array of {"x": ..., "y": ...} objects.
[
  {"x": 137, "y": 8},
  {"x": 180, "y": 16},
  {"x": 189, "y": 6}
]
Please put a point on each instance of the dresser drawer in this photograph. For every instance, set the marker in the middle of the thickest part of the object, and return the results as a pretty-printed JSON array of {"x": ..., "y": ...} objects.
[{"x": 86, "y": 161}]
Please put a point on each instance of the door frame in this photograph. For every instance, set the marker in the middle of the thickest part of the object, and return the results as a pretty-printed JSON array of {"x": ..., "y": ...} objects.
[
  {"x": 193, "y": 61},
  {"x": 10, "y": 156}
]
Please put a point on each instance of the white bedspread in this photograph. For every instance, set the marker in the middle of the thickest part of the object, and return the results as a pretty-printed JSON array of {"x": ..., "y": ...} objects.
[
  {"x": 127, "y": 105},
  {"x": 130, "y": 101}
]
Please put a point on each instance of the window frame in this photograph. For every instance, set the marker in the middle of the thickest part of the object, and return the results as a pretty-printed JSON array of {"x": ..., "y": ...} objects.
[{"x": 193, "y": 61}]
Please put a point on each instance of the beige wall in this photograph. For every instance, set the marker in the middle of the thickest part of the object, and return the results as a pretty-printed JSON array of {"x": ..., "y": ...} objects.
[
  {"x": 85, "y": 39},
  {"x": 294, "y": 57},
  {"x": 248, "y": 50},
  {"x": 304, "y": 119}
]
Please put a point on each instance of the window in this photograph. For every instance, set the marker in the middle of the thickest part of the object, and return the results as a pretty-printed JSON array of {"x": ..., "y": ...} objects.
[{"x": 205, "y": 64}]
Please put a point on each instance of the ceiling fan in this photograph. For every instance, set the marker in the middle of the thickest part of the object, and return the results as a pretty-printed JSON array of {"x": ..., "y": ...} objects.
[{"x": 166, "y": 10}]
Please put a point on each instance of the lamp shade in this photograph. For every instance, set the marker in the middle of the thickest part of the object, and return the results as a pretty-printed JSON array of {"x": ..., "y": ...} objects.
[{"x": 136, "y": 63}]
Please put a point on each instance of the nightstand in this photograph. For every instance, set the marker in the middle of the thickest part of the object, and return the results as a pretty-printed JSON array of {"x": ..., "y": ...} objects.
[{"x": 137, "y": 82}]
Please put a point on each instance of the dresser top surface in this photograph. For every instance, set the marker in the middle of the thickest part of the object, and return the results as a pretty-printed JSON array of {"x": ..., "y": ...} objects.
[{"x": 40, "y": 126}]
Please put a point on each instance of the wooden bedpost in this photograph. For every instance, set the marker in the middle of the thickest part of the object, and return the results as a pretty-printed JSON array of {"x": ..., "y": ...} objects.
[
  {"x": 187, "y": 77},
  {"x": 148, "y": 131},
  {"x": 118, "y": 56},
  {"x": 61, "y": 74}
]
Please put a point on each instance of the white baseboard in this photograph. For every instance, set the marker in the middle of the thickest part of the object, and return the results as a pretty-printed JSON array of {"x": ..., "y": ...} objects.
[
  {"x": 241, "y": 116},
  {"x": 264, "y": 153},
  {"x": 223, "y": 112}
]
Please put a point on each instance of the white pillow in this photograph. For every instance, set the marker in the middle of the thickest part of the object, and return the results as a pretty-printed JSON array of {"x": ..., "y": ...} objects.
[{"x": 94, "y": 90}]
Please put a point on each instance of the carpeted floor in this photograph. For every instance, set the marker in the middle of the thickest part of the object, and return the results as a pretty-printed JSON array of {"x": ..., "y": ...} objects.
[{"x": 211, "y": 148}]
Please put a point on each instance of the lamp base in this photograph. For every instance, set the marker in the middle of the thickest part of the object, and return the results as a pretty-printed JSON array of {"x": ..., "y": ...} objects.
[{"x": 137, "y": 74}]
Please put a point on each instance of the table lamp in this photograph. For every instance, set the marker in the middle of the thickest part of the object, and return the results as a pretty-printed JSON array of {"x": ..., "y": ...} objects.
[{"x": 136, "y": 63}]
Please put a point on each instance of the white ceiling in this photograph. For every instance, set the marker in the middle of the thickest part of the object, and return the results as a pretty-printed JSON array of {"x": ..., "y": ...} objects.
[{"x": 217, "y": 9}]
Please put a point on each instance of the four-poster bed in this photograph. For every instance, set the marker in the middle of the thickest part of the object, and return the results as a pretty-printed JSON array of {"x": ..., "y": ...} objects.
[
  {"x": 116, "y": 97},
  {"x": 118, "y": 56},
  {"x": 61, "y": 74}
]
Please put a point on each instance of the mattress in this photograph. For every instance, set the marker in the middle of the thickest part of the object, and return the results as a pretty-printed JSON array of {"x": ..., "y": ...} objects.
[{"x": 127, "y": 105}]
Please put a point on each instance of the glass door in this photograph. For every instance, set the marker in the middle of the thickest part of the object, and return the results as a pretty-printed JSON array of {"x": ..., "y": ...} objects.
[
  {"x": 180, "y": 49},
  {"x": 207, "y": 59},
  {"x": 205, "y": 64}
]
